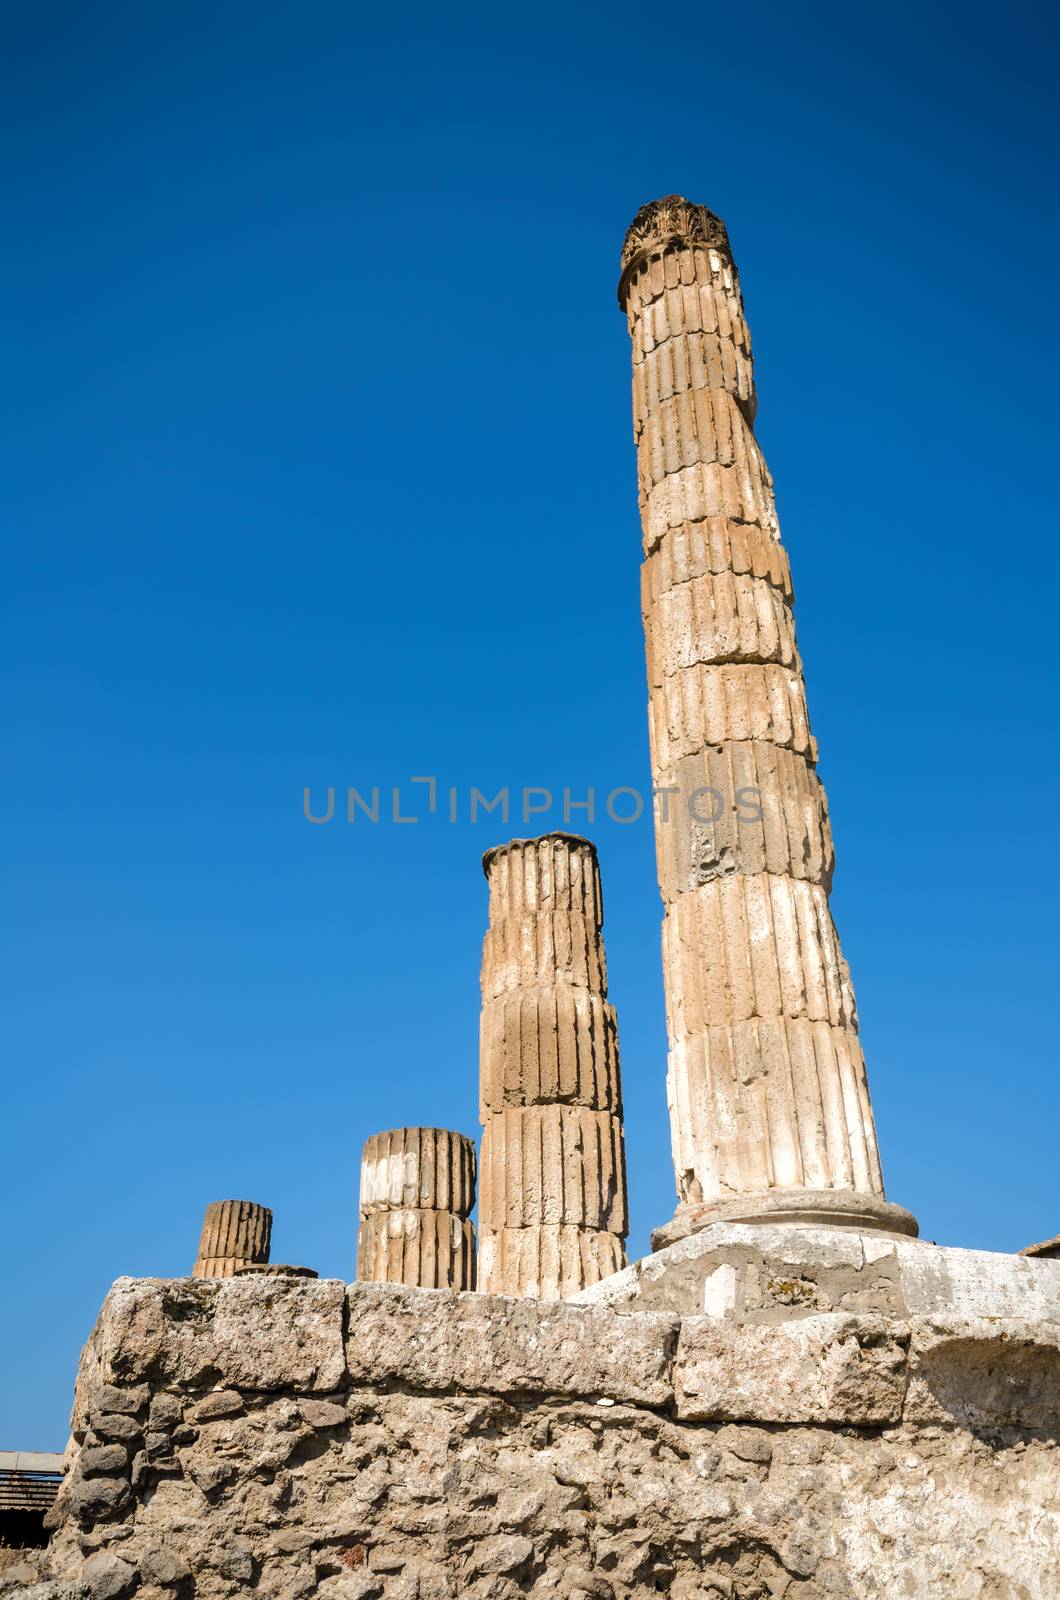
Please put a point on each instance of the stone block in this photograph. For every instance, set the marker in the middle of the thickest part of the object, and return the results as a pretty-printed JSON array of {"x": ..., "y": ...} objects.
[
  {"x": 484, "y": 1344},
  {"x": 165, "y": 1412},
  {"x": 425, "y": 1249},
  {"x": 763, "y": 946},
  {"x": 727, "y": 617},
  {"x": 101, "y": 1461},
  {"x": 275, "y": 1269},
  {"x": 557, "y": 872},
  {"x": 984, "y": 1372},
  {"x": 977, "y": 1283},
  {"x": 778, "y": 1273},
  {"x": 106, "y": 1576},
  {"x": 542, "y": 948},
  {"x": 115, "y": 1425},
  {"x": 250, "y": 1333},
  {"x": 96, "y": 1499},
  {"x": 695, "y": 358},
  {"x": 740, "y": 493},
  {"x": 128, "y": 1402},
  {"x": 713, "y": 705},
  {"x": 832, "y": 1369},
  {"x": 323, "y": 1413},
  {"x": 549, "y": 1042},
  {"x": 547, "y": 1262},
  {"x": 221, "y": 1403},
  {"x": 698, "y": 426},
  {"x": 553, "y": 1164},
  {"x": 234, "y": 1233},
  {"x": 408, "y": 1169},
  {"x": 783, "y": 1270},
  {"x": 164, "y": 1567},
  {"x": 715, "y": 546},
  {"x": 770, "y": 1102},
  {"x": 687, "y": 358},
  {"x": 743, "y": 808}
]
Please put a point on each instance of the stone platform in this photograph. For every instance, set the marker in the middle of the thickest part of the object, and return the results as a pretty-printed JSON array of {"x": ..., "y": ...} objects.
[
  {"x": 297, "y": 1438},
  {"x": 770, "y": 1272}
]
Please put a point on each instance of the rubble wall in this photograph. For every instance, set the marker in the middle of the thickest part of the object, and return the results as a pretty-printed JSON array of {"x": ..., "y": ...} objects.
[{"x": 295, "y": 1438}]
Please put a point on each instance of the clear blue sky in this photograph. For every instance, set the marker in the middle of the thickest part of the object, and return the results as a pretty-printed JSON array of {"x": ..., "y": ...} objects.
[{"x": 318, "y": 470}]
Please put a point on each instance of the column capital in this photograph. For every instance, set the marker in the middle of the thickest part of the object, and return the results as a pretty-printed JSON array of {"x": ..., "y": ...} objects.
[{"x": 673, "y": 220}]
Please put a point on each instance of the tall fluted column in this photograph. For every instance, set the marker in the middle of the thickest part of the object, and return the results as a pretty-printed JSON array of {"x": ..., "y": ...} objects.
[
  {"x": 552, "y": 1193},
  {"x": 417, "y": 1195},
  {"x": 235, "y": 1234},
  {"x": 769, "y": 1102}
]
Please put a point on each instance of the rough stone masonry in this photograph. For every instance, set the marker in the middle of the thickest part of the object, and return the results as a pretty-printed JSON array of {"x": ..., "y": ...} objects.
[{"x": 292, "y": 1438}]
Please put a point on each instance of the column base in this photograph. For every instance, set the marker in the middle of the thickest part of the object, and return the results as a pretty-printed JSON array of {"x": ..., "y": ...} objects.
[{"x": 831, "y": 1208}]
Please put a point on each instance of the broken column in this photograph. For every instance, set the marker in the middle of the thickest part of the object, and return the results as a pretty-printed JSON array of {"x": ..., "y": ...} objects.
[
  {"x": 417, "y": 1194},
  {"x": 552, "y": 1193},
  {"x": 235, "y": 1234},
  {"x": 769, "y": 1101}
]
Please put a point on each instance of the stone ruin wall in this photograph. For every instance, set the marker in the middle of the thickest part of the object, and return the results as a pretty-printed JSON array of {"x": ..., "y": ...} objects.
[{"x": 295, "y": 1438}]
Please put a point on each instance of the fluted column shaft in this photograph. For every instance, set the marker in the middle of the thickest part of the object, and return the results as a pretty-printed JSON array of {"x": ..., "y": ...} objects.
[
  {"x": 235, "y": 1234},
  {"x": 768, "y": 1095},
  {"x": 552, "y": 1196},
  {"x": 416, "y": 1198}
]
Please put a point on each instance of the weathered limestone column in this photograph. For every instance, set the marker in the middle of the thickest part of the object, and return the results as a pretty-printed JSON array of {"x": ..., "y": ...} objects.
[
  {"x": 769, "y": 1102},
  {"x": 552, "y": 1195},
  {"x": 235, "y": 1234},
  {"x": 417, "y": 1194}
]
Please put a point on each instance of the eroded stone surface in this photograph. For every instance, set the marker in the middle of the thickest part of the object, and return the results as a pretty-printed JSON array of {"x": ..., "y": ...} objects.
[
  {"x": 496, "y": 1345},
  {"x": 984, "y": 1372},
  {"x": 832, "y": 1368},
  {"x": 552, "y": 1201},
  {"x": 550, "y": 1261},
  {"x": 776, "y": 1272},
  {"x": 553, "y": 1043},
  {"x": 477, "y": 1446},
  {"x": 410, "y": 1169},
  {"x": 749, "y": 947},
  {"x": 417, "y": 1193},
  {"x": 425, "y": 1249},
  {"x": 235, "y": 1233},
  {"x": 553, "y": 1164},
  {"x": 269, "y": 1333}
]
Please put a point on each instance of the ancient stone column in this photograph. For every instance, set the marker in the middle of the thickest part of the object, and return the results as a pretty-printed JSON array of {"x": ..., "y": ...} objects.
[
  {"x": 235, "y": 1234},
  {"x": 552, "y": 1191},
  {"x": 417, "y": 1194},
  {"x": 769, "y": 1102}
]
